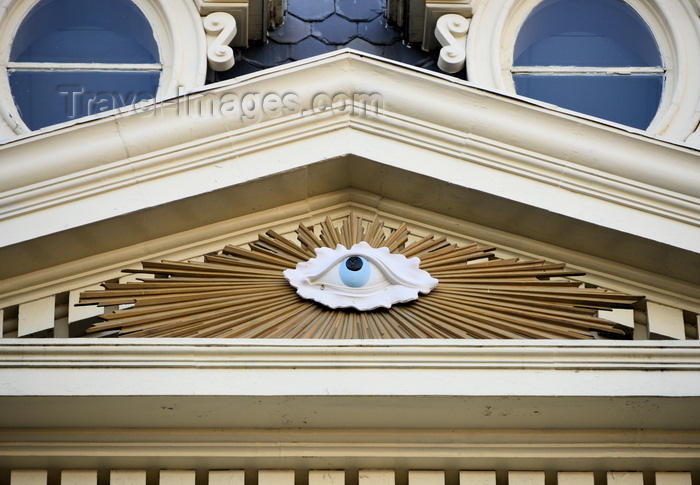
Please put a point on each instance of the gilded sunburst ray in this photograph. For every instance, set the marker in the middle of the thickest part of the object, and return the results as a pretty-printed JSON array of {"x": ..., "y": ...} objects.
[{"x": 242, "y": 293}]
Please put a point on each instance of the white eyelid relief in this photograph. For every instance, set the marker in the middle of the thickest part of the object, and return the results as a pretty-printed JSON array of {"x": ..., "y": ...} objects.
[{"x": 361, "y": 277}]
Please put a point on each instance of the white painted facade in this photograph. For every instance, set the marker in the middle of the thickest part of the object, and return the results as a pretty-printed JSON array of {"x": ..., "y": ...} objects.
[{"x": 336, "y": 405}]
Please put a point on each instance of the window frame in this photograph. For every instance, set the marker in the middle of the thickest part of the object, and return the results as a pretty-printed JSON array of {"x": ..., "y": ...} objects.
[
  {"x": 495, "y": 26},
  {"x": 177, "y": 31}
]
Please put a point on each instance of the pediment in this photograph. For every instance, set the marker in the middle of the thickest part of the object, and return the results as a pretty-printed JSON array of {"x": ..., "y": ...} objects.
[{"x": 108, "y": 193}]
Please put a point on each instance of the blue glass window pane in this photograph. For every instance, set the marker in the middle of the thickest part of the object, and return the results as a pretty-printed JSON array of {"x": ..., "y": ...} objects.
[
  {"x": 602, "y": 33},
  {"x": 110, "y": 31},
  {"x": 630, "y": 100},
  {"x": 45, "y": 98}
]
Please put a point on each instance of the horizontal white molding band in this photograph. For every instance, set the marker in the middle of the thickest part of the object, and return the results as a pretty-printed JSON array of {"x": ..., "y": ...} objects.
[
  {"x": 429, "y": 404},
  {"x": 337, "y": 442},
  {"x": 453, "y": 450},
  {"x": 70, "y": 367}
]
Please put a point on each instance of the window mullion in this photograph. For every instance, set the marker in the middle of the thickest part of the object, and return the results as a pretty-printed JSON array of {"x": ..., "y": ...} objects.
[
  {"x": 81, "y": 66},
  {"x": 584, "y": 70}
]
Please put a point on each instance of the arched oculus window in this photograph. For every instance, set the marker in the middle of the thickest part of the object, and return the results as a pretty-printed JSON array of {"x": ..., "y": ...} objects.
[
  {"x": 72, "y": 58},
  {"x": 596, "y": 57}
]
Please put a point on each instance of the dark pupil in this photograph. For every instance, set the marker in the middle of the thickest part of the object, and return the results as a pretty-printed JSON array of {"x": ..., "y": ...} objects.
[{"x": 354, "y": 263}]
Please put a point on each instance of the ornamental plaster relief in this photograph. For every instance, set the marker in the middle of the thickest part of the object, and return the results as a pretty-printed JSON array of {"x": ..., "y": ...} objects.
[
  {"x": 220, "y": 28},
  {"x": 253, "y": 17},
  {"x": 389, "y": 284},
  {"x": 451, "y": 31}
]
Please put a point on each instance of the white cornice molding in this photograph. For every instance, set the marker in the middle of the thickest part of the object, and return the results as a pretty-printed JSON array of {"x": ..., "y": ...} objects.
[
  {"x": 393, "y": 369},
  {"x": 133, "y": 367},
  {"x": 344, "y": 400},
  {"x": 438, "y": 355},
  {"x": 464, "y": 135}
]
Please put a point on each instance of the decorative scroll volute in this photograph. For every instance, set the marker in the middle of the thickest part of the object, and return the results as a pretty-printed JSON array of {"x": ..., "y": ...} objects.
[
  {"x": 254, "y": 18},
  {"x": 417, "y": 19},
  {"x": 451, "y": 31},
  {"x": 220, "y": 28}
]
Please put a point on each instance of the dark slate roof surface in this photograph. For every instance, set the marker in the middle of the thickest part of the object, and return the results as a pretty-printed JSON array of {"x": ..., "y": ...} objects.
[{"x": 313, "y": 27}]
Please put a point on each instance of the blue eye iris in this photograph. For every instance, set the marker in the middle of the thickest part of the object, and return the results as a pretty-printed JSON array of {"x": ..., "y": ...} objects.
[{"x": 354, "y": 271}]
